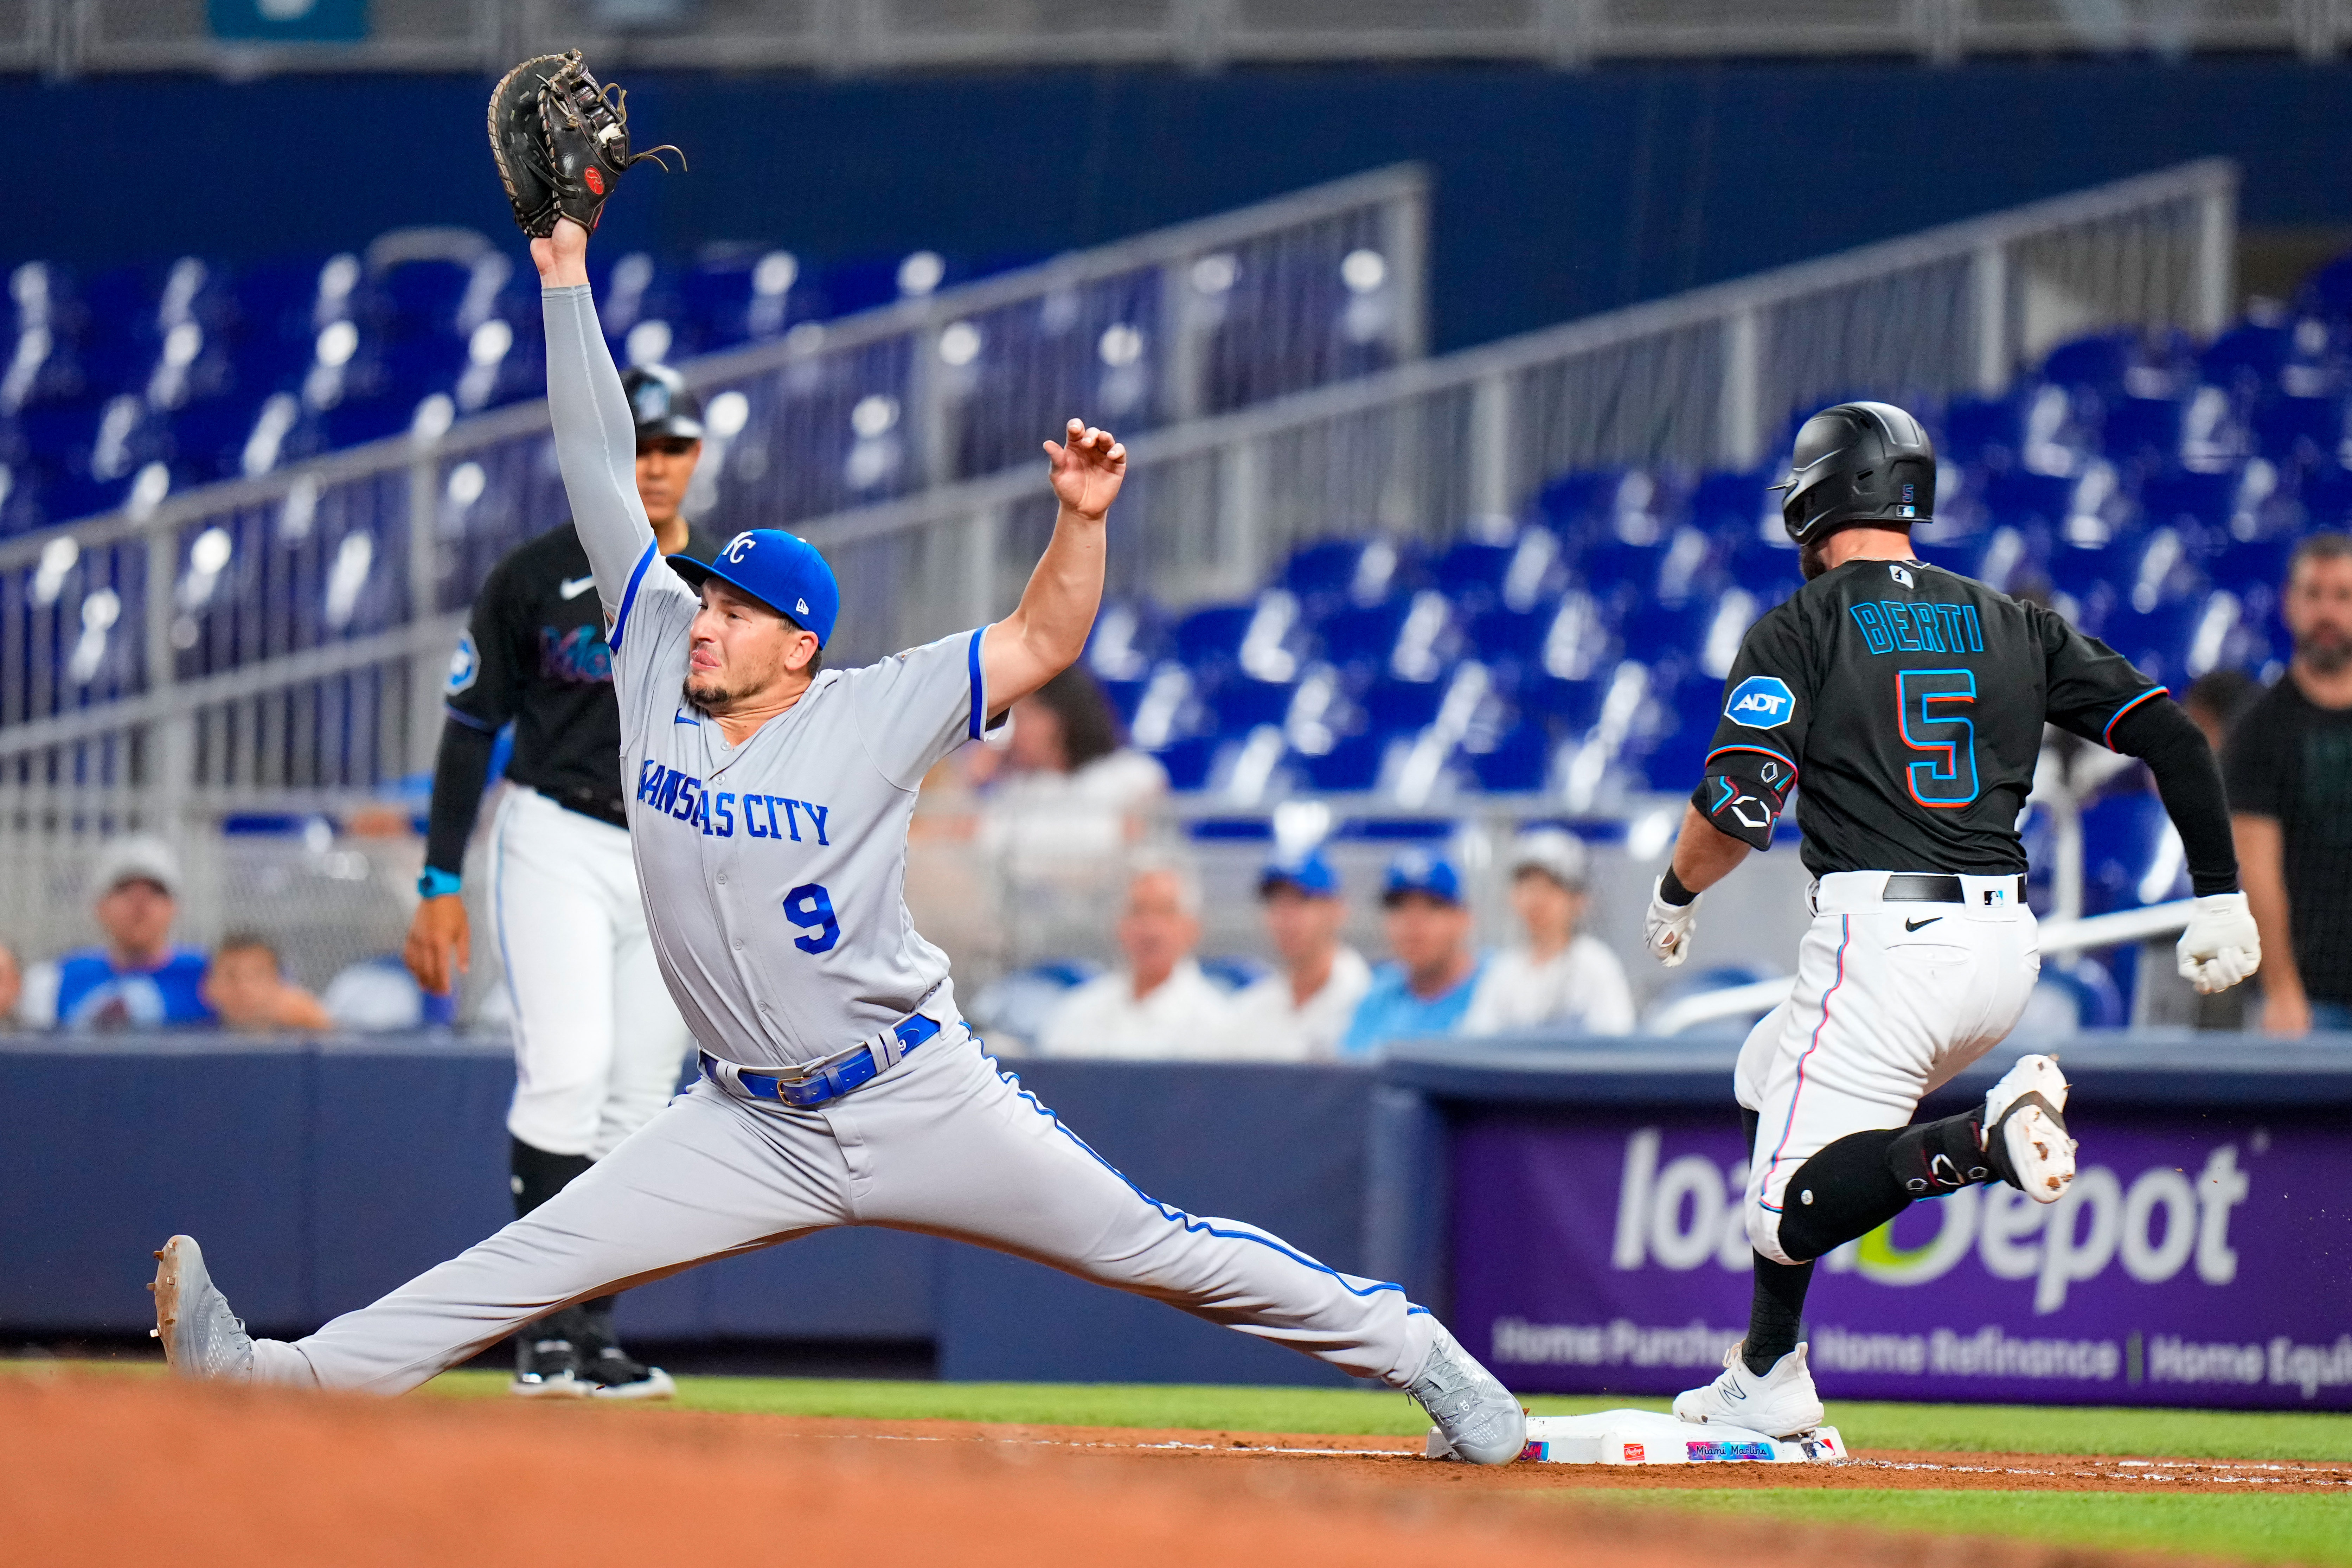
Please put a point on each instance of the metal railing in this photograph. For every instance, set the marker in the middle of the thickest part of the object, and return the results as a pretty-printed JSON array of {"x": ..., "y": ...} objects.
[
  {"x": 1705, "y": 379},
  {"x": 287, "y": 632},
  {"x": 866, "y": 35}
]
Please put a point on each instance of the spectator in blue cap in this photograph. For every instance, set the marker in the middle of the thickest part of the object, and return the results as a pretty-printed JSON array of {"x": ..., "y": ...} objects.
[
  {"x": 1426, "y": 990},
  {"x": 1299, "y": 1013}
]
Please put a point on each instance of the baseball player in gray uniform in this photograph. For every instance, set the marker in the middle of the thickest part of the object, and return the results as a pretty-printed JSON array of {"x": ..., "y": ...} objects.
[{"x": 769, "y": 803}]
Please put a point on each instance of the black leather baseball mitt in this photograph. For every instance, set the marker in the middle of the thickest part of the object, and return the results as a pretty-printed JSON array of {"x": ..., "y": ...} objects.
[{"x": 561, "y": 141}]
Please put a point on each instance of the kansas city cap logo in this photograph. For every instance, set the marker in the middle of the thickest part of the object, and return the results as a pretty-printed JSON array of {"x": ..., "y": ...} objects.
[
  {"x": 739, "y": 547},
  {"x": 1761, "y": 702}
]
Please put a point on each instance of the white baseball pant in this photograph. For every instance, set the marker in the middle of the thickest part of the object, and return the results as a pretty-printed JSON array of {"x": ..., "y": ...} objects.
[
  {"x": 1890, "y": 1001},
  {"x": 599, "y": 1046},
  {"x": 942, "y": 1143}
]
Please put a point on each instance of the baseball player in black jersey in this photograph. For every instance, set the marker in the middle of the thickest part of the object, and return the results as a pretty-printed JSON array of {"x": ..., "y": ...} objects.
[
  {"x": 599, "y": 1046},
  {"x": 1909, "y": 704}
]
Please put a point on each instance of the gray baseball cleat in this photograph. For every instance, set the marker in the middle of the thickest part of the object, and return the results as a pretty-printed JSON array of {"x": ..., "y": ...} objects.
[
  {"x": 1476, "y": 1417},
  {"x": 202, "y": 1338}
]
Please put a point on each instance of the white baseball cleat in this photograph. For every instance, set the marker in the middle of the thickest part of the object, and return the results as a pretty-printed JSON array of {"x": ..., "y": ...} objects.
[
  {"x": 1782, "y": 1403},
  {"x": 202, "y": 1338},
  {"x": 1477, "y": 1419},
  {"x": 2025, "y": 1129}
]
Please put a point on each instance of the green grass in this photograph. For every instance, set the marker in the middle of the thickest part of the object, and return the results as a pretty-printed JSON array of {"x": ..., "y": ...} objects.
[
  {"x": 2301, "y": 1528},
  {"x": 2184, "y": 1433}
]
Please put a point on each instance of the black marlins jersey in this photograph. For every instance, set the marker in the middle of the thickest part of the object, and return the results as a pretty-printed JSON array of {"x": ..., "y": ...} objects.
[
  {"x": 1908, "y": 704},
  {"x": 534, "y": 654}
]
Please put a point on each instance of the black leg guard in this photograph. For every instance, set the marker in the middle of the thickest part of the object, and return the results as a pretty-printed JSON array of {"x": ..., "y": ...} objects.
[
  {"x": 1866, "y": 1179},
  {"x": 1776, "y": 1313},
  {"x": 1849, "y": 1189},
  {"x": 538, "y": 1175}
]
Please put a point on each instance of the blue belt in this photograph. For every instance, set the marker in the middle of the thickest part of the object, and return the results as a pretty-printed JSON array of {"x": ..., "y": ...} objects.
[{"x": 828, "y": 1081}]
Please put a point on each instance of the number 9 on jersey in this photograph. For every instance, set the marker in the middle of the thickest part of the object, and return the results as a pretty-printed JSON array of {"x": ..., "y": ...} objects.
[{"x": 810, "y": 906}]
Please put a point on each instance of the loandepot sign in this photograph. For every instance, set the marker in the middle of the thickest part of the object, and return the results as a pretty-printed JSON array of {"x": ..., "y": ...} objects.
[{"x": 2193, "y": 1261}]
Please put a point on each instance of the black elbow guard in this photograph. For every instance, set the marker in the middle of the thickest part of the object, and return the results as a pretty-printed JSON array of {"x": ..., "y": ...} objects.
[{"x": 1742, "y": 794}]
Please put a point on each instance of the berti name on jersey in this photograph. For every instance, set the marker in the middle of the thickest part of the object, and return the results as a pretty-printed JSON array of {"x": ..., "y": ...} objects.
[{"x": 1904, "y": 705}]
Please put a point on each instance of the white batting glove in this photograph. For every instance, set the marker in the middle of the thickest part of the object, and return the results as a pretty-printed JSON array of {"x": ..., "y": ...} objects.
[
  {"x": 2221, "y": 946},
  {"x": 1666, "y": 929}
]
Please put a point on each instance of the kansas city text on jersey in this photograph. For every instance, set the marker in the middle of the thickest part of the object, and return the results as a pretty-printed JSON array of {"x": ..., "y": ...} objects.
[{"x": 683, "y": 797}]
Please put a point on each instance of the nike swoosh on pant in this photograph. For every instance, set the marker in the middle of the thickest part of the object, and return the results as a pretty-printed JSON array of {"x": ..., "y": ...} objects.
[
  {"x": 572, "y": 587},
  {"x": 1914, "y": 925}
]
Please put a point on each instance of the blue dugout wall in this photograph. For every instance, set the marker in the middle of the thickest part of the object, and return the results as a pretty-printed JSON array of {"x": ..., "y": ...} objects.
[
  {"x": 1573, "y": 1208},
  {"x": 1557, "y": 194}
]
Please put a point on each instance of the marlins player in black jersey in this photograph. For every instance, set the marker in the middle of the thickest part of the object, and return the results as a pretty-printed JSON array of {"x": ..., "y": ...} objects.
[
  {"x": 1909, "y": 704},
  {"x": 599, "y": 1046}
]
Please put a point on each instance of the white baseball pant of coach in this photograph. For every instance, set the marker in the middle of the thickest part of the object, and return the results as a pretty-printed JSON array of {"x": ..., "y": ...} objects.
[
  {"x": 716, "y": 1175},
  {"x": 1890, "y": 1001},
  {"x": 599, "y": 1045}
]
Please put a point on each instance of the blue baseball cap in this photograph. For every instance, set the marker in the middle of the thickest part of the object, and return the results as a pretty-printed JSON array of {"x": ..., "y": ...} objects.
[
  {"x": 1419, "y": 871},
  {"x": 1309, "y": 872},
  {"x": 781, "y": 570}
]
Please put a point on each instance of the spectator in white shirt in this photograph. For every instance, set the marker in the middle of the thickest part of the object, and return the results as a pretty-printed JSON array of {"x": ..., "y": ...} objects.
[
  {"x": 1298, "y": 1013},
  {"x": 1159, "y": 1004},
  {"x": 1561, "y": 978}
]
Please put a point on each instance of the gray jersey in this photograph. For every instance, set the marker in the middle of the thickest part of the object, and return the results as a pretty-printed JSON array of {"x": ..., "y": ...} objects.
[{"x": 774, "y": 872}]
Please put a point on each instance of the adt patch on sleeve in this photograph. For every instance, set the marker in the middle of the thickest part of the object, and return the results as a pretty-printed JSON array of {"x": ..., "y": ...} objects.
[
  {"x": 1761, "y": 702},
  {"x": 465, "y": 666}
]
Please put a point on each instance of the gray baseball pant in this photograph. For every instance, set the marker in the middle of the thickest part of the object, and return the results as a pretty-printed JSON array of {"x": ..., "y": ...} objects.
[{"x": 943, "y": 1144}]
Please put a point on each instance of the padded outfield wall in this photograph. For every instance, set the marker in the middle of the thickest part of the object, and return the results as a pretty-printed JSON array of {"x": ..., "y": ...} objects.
[{"x": 1557, "y": 194}]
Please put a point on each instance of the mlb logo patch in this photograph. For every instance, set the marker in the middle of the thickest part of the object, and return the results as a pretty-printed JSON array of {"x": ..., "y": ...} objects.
[
  {"x": 1761, "y": 702},
  {"x": 1902, "y": 577}
]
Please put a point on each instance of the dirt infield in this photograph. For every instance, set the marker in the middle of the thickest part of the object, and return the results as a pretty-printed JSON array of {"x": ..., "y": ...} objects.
[{"x": 98, "y": 1470}]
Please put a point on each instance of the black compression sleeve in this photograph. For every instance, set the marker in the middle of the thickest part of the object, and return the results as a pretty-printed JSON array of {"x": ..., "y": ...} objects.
[
  {"x": 459, "y": 775},
  {"x": 2159, "y": 734}
]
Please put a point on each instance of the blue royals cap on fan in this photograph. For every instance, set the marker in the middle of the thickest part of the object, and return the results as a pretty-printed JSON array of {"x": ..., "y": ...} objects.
[
  {"x": 1308, "y": 871},
  {"x": 1419, "y": 871},
  {"x": 781, "y": 570}
]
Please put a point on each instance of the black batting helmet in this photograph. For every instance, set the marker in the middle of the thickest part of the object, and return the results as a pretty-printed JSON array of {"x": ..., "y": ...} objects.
[
  {"x": 1856, "y": 463},
  {"x": 664, "y": 407}
]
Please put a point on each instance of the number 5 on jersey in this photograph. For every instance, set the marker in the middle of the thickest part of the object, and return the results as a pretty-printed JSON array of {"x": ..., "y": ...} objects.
[
  {"x": 1932, "y": 710},
  {"x": 810, "y": 906}
]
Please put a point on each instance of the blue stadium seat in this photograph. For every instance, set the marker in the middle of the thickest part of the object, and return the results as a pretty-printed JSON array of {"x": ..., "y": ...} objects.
[
  {"x": 1517, "y": 762},
  {"x": 1471, "y": 572},
  {"x": 1211, "y": 637},
  {"x": 2131, "y": 856},
  {"x": 2096, "y": 362},
  {"x": 1564, "y": 707},
  {"x": 2142, "y": 429},
  {"x": 1324, "y": 569},
  {"x": 1188, "y": 761},
  {"x": 1350, "y": 767},
  {"x": 2177, "y": 496},
  {"x": 1241, "y": 704},
  {"x": 1983, "y": 432},
  {"x": 1363, "y": 637},
  {"x": 2303, "y": 431},
  {"x": 2019, "y": 496},
  {"x": 1392, "y": 706},
  {"x": 2249, "y": 355},
  {"x": 2328, "y": 291}
]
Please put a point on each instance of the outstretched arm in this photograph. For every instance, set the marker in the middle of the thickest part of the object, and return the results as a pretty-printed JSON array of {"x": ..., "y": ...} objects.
[
  {"x": 595, "y": 439},
  {"x": 1704, "y": 856},
  {"x": 1046, "y": 632},
  {"x": 2223, "y": 944}
]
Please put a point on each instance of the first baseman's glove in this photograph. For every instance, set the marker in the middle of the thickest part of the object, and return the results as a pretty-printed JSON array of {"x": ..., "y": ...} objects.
[
  {"x": 1666, "y": 929},
  {"x": 2221, "y": 946},
  {"x": 561, "y": 139}
]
